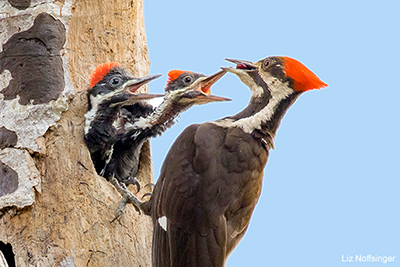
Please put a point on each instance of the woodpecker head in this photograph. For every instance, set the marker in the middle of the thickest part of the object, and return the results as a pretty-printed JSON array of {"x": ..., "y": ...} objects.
[
  {"x": 112, "y": 84},
  {"x": 277, "y": 74},
  {"x": 275, "y": 83},
  {"x": 192, "y": 88}
]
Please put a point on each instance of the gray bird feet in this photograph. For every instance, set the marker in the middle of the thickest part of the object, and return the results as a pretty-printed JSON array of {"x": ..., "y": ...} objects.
[
  {"x": 134, "y": 181},
  {"x": 127, "y": 196}
]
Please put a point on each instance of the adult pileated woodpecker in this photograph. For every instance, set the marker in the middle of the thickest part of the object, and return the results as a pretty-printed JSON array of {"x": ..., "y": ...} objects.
[
  {"x": 211, "y": 178},
  {"x": 184, "y": 89},
  {"x": 111, "y": 87}
]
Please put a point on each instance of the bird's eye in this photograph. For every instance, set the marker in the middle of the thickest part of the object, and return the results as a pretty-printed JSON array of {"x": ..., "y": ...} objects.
[
  {"x": 115, "y": 81},
  {"x": 266, "y": 63},
  {"x": 187, "y": 79}
]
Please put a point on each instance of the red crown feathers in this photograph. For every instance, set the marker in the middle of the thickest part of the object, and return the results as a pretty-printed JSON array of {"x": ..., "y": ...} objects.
[
  {"x": 173, "y": 74},
  {"x": 99, "y": 73},
  {"x": 304, "y": 79}
]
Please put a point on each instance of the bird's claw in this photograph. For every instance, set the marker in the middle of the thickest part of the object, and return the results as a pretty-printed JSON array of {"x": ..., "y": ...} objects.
[
  {"x": 149, "y": 185},
  {"x": 150, "y": 193},
  {"x": 134, "y": 181},
  {"x": 128, "y": 197},
  {"x": 120, "y": 210},
  {"x": 146, "y": 195}
]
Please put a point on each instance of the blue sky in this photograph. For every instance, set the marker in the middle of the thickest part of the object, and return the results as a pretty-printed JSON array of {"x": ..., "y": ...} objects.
[{"x": 332, "y": 184}]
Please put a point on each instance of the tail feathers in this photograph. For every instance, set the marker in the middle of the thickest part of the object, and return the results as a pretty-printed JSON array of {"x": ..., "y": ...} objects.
[
  {"x": 161, "y": 248},
  {"x": 175, "y": 248}
]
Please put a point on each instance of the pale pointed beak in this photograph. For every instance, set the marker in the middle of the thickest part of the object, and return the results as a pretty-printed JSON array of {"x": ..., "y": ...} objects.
[
  {"x": 244, "y": 65},
  {"x": 213, "y": 98},
  {"x": 204, "y": 87},
  {"x": 134, "y": 84},
  {"x": 145, "y": 96}
]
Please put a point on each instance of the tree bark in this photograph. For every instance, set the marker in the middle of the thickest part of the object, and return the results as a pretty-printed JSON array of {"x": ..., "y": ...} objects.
[{"x": 54, "y": 209}]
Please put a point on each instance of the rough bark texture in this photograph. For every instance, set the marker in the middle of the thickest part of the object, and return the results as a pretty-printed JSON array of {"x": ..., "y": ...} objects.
[{"x": 66, "y": 219}]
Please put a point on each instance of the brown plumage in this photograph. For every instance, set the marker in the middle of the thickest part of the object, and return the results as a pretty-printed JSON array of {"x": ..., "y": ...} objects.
[{"x": 211, "y": 178}]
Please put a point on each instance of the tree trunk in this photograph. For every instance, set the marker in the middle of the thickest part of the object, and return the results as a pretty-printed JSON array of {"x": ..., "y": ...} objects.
[{"x": 54, "y": 209}]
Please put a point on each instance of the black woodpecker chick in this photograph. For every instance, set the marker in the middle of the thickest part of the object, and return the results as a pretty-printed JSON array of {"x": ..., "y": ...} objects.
[
  {"x": 111, "y": 87},
  {"x": 184, "y": 90},
  {"x": 211, "y": 178}
]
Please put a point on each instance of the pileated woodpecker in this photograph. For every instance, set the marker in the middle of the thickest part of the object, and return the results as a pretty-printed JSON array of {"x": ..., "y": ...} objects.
[
  {"x": 184, "y": 89},
  {"x": 111, "y": 87},
  {"x": 211, "y": 178}
]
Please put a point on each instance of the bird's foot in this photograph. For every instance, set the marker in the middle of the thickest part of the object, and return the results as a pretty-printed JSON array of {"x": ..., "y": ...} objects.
[
  {"x": 128, "y": 197},
  {"x": 134, "y": 181},
  {"x": 150, "y": 185},
  {"x": 150, "y": 193}
]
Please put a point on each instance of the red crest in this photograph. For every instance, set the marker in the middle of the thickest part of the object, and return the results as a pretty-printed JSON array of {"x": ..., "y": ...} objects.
[
  {"x": 304, "y": 79},
  {"x": 99, "y": 73},
  {"x": 173, "y": 74}
]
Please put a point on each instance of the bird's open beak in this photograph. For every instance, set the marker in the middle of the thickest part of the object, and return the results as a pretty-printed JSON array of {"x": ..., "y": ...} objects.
[
  {"x": 146, "y": 96},
  {"x": 130, "y": 87},
  {"x": 204, "y": 87},
  {"x": 133, "y": 85},
  {"x": 241, "y": 65}
]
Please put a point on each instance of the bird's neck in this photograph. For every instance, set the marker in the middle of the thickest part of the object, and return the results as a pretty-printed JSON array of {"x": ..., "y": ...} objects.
[
  {"x": 166, "y": 112},
  {"x": 101, "y": 112},
  {"x": 270, "y": 126},
  {"x": 262, "y": 117}
]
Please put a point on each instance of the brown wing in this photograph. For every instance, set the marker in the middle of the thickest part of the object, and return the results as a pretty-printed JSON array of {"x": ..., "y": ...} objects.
[
  {"x": 204, "y": 194},
  {"x": 244, "y": 161}
]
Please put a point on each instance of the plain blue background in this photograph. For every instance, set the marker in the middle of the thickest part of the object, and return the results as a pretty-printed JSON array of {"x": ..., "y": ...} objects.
[{"x": 331, "y": 186}]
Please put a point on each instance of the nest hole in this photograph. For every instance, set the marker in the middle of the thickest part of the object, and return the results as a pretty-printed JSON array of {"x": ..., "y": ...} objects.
[{"x": 8, "y": 254}]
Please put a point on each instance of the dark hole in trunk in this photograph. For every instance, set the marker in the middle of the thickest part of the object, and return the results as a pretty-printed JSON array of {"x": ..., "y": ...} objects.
[{"x": 6, "y": 249}]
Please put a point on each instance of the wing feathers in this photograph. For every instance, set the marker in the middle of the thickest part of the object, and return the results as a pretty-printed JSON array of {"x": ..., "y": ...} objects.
[{"x": 206, "y": 183}]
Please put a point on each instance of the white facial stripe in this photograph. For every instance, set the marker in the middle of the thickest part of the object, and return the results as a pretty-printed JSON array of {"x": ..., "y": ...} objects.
[
  {"x": 91, "y": 114},
  {"x": 163, "y": 222},
  {"x": 161, "y": 104},
  {"x": 147, "y": 122},
  {"x": 178, "y": 91},
  {"x": 256, "y": 90},
  {"x": 279, "y": 91},
  {"x": 95, "y": 102}
]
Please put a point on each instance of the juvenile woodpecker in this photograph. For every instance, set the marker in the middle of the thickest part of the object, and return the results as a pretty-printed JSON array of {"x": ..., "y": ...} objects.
[
  {"x": 211, "y": 178},
  {"x": 184, "y": 89},
  {"x": 111, "y": 87}
]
